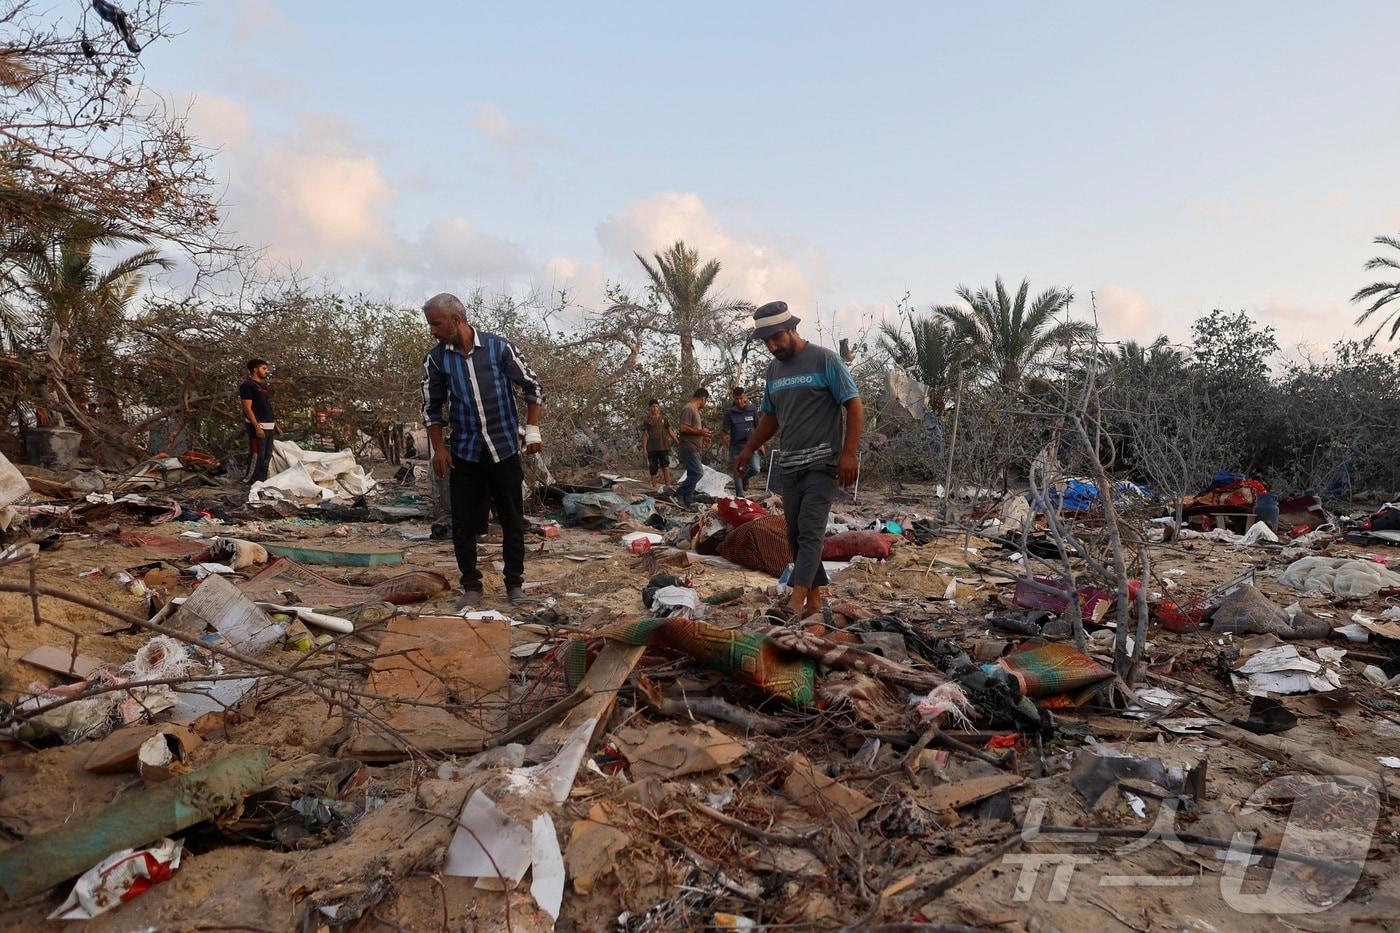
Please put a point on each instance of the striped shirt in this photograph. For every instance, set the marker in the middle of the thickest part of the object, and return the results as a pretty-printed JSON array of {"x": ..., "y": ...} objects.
[{"x": 482, "y": 419}]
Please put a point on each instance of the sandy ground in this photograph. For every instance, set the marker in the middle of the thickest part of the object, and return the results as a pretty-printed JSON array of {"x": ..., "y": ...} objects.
[{"x": 1046, "y": 883}]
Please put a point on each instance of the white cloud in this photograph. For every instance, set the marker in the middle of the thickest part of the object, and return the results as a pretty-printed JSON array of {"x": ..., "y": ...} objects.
[
  {"x": 492, "y": 123},
  {"x": 341, "y": 201},
  {"x": 316, "y": 198},
  {"x": 217, "y": 121},
  {"x": 1125, "y": 314},
  {"x": 257, "y": 20},
  {"x": 516, "y": 147},
  {"x": 755, "y": 267}
]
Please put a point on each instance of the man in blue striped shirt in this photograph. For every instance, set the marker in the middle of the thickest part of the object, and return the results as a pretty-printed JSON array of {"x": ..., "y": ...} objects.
[{"x": 474, "y": 374}]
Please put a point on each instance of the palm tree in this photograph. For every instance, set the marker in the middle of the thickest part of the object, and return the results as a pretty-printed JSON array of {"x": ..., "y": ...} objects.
[
  {"x": 683, "y": 284},
  {"x": 1383, "y": 292},
  {"x": 64, "y": 285},
  {"x": 1155, "y": 357},
  {"x": 928, "y": 354},
  {"x": 1009, "y": 339}
]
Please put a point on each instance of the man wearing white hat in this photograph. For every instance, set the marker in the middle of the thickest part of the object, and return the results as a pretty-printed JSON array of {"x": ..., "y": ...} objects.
[{"x": 807, "y": 389}]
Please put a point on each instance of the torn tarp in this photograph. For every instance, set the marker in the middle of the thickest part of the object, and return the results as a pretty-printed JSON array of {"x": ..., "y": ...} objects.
[
  {"x": 311, "y": 476},
  {"x": 604, "y": 509},
  {"x": 1081, "y": 495}
]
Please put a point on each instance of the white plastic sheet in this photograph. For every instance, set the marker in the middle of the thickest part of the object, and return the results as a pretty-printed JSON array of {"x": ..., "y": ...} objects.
[
  {"x": 715, "y": 484},
  {"x": 515, "y": 848},
  {"x": 13, "y": 485},
  {"x": 312, "y": 476}
]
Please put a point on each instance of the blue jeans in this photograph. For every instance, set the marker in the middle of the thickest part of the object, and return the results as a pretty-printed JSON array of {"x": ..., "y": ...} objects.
[
  {"x": 694, "y": 469},
  {"x": 753, "y": 466}
]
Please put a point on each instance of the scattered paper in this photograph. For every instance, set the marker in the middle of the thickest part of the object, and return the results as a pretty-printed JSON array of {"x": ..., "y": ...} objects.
[
  {"x": 487, "y": 843},
  {"x": 546, "y": 866}
]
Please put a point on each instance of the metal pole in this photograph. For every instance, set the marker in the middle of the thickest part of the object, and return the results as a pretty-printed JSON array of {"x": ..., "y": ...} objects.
[{"x": 952, "y": 446}]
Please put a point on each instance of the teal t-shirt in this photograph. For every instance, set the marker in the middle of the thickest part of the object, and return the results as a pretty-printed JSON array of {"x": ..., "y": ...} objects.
[{"x": 806, "y": 395}]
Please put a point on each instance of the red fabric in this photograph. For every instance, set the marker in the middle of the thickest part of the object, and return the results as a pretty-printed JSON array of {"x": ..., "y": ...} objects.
[
  {"x": 736, "y": 512},
  {"x": 1238, "y": 496},
  {"x": 848, "y": 544}
]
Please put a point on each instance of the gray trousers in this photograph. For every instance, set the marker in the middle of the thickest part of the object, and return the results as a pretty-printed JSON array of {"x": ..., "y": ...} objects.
[{"x": 807, "y": 498}]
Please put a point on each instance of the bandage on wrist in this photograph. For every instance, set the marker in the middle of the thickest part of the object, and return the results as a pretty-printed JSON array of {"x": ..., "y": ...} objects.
[{"x": 532, "y": 434}]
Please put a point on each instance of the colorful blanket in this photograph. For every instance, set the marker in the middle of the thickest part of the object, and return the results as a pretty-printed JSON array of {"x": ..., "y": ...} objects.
[
  {"x": 749, "y": 657},
  {"x": 1049, "y": 670}
]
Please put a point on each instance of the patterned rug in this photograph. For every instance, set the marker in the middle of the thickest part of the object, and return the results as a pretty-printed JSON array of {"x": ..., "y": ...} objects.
[
  {"x": 1048, "y": 670},
  {"x": 749, "y": 657}
]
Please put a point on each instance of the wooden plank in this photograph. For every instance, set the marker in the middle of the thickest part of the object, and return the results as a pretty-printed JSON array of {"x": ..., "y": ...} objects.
[
  {"x": 969, "y": 791},
  {"x": 220, "y": 605},
  {"x": 605, "y": 677},
  {"x": 46, "y": 859},
  {"x": 443, "y": 660},
  {"x": 62, "y": 661}
]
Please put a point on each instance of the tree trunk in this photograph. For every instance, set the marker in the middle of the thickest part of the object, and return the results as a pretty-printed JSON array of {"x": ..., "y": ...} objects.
[{"x": 688, "y": 383}]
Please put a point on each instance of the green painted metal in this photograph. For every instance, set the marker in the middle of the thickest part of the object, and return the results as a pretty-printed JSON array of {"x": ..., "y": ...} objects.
[
  {"x": 335, "y": 558},
  {"x": 49, "y": 858}
]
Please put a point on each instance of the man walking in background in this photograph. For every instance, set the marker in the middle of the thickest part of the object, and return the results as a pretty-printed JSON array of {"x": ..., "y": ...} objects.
[
  {"x": 806, "y": 391},
  {"x": 476, "y": 371},
  {"x": 657, "y": 438},
  {"x": 694, "y": 437},
  {"x": 259, "y": 420},
  {"x": 739, "y": 423}
]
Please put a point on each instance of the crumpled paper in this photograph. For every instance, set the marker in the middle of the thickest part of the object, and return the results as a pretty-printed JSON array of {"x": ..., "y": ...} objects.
[{"x": 119, "y": 877}]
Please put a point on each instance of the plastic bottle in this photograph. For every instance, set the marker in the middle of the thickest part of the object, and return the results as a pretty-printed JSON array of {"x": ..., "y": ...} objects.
[{"x": 133, "y": 586}]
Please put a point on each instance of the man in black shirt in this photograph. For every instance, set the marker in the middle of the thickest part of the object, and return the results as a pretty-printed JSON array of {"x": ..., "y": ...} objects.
[{"x": 260, "y": 422}]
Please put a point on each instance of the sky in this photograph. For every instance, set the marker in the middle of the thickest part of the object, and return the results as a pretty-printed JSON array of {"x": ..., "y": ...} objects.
[{"x": 1160, "y": 160}]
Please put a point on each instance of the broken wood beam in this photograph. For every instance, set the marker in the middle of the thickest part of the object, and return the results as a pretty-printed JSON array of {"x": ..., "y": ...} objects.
[
  {"x": 46, "y": 859},
  {"x": 539, "y": 719},
  {"x": 605, "y": 677}
]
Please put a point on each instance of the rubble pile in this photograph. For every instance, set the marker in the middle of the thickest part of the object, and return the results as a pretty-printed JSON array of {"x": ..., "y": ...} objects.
[{"x": 223, "y": 709}]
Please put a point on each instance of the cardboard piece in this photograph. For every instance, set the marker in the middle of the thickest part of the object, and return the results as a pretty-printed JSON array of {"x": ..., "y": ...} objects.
[
  {"x": 62, "y": 661},
  {"x": 822, "y": 795},
  {"x": 593, "y": 847},
  {"x": 448, "y": 660},
  {"x": 670, "y": 750},
  {"x": 962, "y": 793},
  {"x": 117, "y": 752}
]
